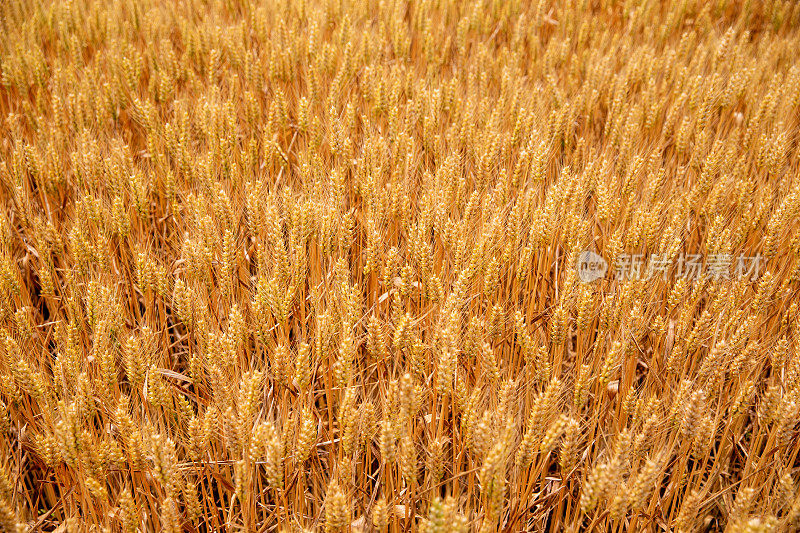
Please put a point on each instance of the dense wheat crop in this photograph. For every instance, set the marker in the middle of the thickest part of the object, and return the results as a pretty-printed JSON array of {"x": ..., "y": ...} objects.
[{"x": 325, "y": 266}]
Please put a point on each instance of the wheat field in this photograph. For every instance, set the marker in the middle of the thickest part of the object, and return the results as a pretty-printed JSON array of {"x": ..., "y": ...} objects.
[{"x": 380, "y": 265}]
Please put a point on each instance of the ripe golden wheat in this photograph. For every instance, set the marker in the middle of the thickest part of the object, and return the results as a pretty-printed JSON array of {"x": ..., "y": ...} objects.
[{"x": 300, "y": 266}]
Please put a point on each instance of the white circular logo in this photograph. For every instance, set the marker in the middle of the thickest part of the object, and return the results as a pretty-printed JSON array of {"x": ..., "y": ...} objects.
[{"x": 591, "y": 266}]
